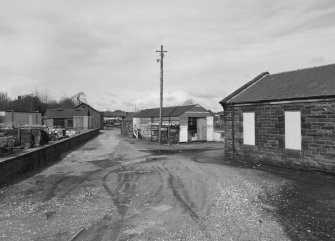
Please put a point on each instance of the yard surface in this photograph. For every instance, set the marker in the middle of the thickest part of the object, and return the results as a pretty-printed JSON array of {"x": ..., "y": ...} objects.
[{"x": 121, "y": 189}]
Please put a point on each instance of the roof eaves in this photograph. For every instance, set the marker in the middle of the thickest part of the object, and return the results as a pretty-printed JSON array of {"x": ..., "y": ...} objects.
[
  {"x": 239, "y": 90},
  {"x": 284, "y": 99}
]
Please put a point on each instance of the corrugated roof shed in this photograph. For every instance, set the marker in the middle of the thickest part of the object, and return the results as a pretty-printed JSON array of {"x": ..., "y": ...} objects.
[
  {"x": 64, "y": 113},
  {"x": 314, "y": 82},
  {"x": 173, "y": 111}
]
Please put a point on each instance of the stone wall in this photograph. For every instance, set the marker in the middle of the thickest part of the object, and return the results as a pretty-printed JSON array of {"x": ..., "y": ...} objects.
[
  {"x": 11, "y": 167},
  {"x": 317, "y": 131}
]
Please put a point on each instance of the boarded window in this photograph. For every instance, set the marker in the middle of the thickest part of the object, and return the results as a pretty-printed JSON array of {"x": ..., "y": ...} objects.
[
  {"x": 249, "y": 128},
  {"x": 293, "y": 130}
]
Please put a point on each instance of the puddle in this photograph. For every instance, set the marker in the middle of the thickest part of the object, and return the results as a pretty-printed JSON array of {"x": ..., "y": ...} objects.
[
  {"x": 162, "y": 208},
  {"x": 171, "y": 151},
  {"x": 154, "y": 158}
]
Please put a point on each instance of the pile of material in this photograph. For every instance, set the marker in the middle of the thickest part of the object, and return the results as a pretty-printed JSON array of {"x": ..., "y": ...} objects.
[
  {"x": 56, "y": 133},
  {"x": 33, "y": 137},
  {"x": 27, "y": 139},
  {"x": 6, "y": 143},
  {"x": 40, "y": 137}
]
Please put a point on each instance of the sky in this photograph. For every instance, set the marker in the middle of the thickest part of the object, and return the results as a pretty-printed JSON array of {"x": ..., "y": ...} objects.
[{"x": 106, "y": 48}]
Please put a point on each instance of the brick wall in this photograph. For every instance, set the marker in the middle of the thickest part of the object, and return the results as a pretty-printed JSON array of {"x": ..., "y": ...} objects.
[{"x": 317, "y": 130}]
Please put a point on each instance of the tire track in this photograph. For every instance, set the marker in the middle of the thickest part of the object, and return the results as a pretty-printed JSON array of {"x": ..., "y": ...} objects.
[
  {"x": 183, "y": 198},
  {"x": 187, "y": 205}
]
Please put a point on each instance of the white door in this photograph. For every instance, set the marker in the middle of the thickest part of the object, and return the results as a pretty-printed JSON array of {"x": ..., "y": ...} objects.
[
  {"x": 30, "y": 120},
  {"x": 202, "y": 129}
]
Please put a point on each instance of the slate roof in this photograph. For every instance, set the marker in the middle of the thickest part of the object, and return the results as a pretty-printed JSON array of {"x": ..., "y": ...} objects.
[
  {"x": 64, "y": 113},
  {"x": 317, "y": 82},
  {"x": 173, "y": 111}
]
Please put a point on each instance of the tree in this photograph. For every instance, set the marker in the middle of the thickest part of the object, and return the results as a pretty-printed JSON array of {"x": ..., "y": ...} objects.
[
  {"x": 43, "y": 96},
  {"x": 4, "y": 100},
  {"x": 28, "y": 103},
  {"x": 37, "y": 101},
  {"x": 189, "y": 102},
  {"x": 67, "y": 103},
  {"x": 79, "y": 98}
]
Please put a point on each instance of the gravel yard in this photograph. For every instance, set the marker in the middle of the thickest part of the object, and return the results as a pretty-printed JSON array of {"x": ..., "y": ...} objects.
[{"x": 120, "y": 189}]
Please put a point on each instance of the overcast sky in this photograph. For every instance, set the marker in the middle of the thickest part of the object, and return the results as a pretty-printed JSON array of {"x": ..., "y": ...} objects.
[{"x": 106, "y": 49}]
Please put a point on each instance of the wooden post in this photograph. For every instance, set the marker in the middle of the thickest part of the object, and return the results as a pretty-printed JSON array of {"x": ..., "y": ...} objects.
[
  {"x": 19, "y": 135},
  {"x": 168, "y": 134},
  {"x": 161, "y": 93}
]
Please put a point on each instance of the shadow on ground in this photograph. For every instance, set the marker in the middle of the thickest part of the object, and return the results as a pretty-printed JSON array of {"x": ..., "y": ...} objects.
[{"x": 305, "y": 205}]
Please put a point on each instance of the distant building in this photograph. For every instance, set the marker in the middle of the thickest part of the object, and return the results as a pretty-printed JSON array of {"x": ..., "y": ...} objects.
[
  {"x": 21, "y": 118},
  {"x": 285, "y": 119},
  {"x": 97, "y": 116},
  {"x": 114, "y": 117},
  {"x": 82, "y": 116},
  {"x": 180, "y": 124}
]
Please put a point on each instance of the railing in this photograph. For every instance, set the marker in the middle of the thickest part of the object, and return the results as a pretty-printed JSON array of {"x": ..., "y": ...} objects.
[{"x": 135, "y": 132}]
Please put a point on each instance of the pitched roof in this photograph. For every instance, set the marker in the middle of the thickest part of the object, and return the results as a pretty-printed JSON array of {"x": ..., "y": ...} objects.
[
  {"x": 317, "y": 82},
  {"x": 173, "y": 111},
  {"x": 64, "y": 113},
  {"x": 87, "y": 105}
]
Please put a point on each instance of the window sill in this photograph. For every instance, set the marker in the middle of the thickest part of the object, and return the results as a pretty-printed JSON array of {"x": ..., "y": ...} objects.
[
  {"x": 293, "y": 152},
  {"x": 248, "y": 146}
]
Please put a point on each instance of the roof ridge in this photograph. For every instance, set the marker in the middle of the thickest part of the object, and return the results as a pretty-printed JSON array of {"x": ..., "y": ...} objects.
[
  {"x": 313, "y": 82},
  {"x": 176, "y": 106},
  {"x": 307, "y": 68}
]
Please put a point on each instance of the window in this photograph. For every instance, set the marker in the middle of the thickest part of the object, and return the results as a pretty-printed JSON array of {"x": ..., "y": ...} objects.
[
  {"x": 249, "y": 128},
  {"x": 293, "y": 130},
  {"x": 70, "y": 123}
]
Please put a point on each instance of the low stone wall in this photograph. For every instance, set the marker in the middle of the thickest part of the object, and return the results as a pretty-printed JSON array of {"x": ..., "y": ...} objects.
[{"x": 11, "y": 167}]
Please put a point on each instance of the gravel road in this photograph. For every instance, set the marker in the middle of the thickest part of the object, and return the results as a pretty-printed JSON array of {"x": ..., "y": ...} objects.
[{"x": 121, "y": 189}]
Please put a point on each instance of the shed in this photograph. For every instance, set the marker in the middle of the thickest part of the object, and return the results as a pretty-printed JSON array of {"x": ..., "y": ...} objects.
[
  {"x": 21, "y": 118},
  {"x": 96, "y": 116},
  {"x": 188, "y": 123},
  {"x": 63, "y": 117},
  {"x": 82, "y": 116},
  {"x": 114, "y": 117},
  {"x": 285, "y": 119}
]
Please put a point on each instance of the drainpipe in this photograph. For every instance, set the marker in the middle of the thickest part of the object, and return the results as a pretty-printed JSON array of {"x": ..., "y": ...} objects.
[{"x": 233, "y": 130}]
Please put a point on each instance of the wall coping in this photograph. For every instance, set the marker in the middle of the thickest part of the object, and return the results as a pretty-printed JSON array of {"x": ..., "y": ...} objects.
[{"x": 4, "y": 160}]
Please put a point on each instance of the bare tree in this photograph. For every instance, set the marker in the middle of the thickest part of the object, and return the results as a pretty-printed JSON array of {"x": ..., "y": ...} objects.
[
  {"x": 43, "y": 96},
  {"x": 189, "y": 102},
  {"x": 4, "y": 100},
  {"x": 79, "y": 98}
]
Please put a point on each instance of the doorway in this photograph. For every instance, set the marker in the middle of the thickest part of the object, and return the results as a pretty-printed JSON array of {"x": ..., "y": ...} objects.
[{"x": 197, "y": 129}]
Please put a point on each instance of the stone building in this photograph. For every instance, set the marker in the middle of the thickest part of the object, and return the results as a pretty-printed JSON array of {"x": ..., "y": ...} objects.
[
  {"x": 285, "y": 119},
  {"x": 82, "y": 116}
]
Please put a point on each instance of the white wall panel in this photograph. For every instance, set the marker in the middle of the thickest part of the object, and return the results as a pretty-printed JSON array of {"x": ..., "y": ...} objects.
[
  {"x": 293, "y": 130},
  {"x": 210, "y": 128},
  {"x": 183, "y": 132},
  {"x": 249, "y": 128}
]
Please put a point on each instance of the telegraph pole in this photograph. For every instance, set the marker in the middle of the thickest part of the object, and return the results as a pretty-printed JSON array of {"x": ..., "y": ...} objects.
[{"x": 161, "y": 93}]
